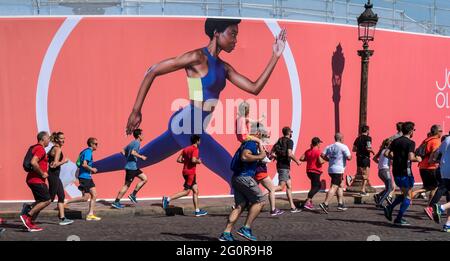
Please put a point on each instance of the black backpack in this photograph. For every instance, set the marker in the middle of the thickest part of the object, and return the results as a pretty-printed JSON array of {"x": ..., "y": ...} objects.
[
  {"x": 27, "y": 159},
  {"x": 421, "y": 151},
  {"x": 281, "y": 148}
]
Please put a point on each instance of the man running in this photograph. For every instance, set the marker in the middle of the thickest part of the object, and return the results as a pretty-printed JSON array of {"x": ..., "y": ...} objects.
[
  {"x": 87, "y": 185},
  {"x": 189, "y": 158},
  {"x": 401, "y": 151},
  {"x": 337, "y": 155},
  {"x": 363, "y": 147},
  {"x": 246, "y": 189},
  {"x": 283, "y": 150},
  {"x": 131, "y": 152},
  {"x": 36, "y": 182}
]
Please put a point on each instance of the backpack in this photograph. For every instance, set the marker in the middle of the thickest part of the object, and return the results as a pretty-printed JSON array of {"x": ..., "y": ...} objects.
[
  {"x": 80, "y": 158},
  {"x": 27, "y": 159},
  {"x": 236, "y": 162},
  {"x": 421, "y": 151},
  {"x": 281, "y": 148}
]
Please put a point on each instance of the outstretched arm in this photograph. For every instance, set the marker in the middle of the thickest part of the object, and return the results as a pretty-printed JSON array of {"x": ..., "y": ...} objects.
[
  {"x": 252, "y": 87},
  {"x": 164, "y": 67}
]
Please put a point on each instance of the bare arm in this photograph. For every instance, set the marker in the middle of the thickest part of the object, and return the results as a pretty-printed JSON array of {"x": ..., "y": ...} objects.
[
  {"x": 412, "y": 157},
  {"x": 180, "y": 158},
  {"x": 196, "y": 161},
  {"x": 36, "y": 168},
  {"x": 134, "y": 153},
  {"x": 56, "y": 163},
  {"x": 292, "y": 156},
  {"x": 247, "y": 156},
  {"x": 164, "y": 67},
  {"x": 255, "y": 87},
  {"x": 302, "y": 158},
  {"x": 86, "y": 166}
]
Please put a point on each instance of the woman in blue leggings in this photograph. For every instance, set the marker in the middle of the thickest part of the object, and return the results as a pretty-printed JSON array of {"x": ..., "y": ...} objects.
[{"x": 206, "y": 76}]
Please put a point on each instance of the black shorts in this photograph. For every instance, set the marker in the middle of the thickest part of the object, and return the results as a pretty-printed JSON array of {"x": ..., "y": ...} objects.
[
  {"x": 189, "y": 181},
  {"x": 86, "y": 185},
  {"x": 131, "y": 174},
  {"x": 363, "y": 162},
  {"x": 429, "y": 178},
  {"x": 40, "y": 192},
  {"x": 336, "y": 178}
]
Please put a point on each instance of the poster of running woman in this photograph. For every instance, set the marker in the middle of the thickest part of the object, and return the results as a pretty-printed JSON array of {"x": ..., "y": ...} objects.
[{"x": 104, "y": 77}]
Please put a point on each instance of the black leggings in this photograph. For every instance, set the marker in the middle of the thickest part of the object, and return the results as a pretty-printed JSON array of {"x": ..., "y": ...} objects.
[
  {"x": 56, "y": 188},
  {"x": 315, "y": 184}
]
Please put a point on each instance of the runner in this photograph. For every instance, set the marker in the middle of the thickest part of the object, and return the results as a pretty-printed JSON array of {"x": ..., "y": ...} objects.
[
  {"x": 36, "y": 181},
  {"x": 189, "y": 157},
  {"x": 313, "y": 170},
  {"x": 401, "y": 151},
  {"x": 56, "y": 160},
  {"x": 426, "y": 168},
  {"x": 131, "y": 152},
  {"x": 337, "y": 155},
  {"x": 246, "y": 190},
  {"x": 444, "y": 150},
  {"x": 262, "y": 175},
  {"x": 363, "y": 148},
  {"x": 384, "y": 173},
  {"x": 87, "y": 185},
  {"x": 283, "y": 151}
]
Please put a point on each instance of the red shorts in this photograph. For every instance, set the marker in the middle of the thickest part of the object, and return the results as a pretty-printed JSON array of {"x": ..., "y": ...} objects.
[
  {"x": 189, "y": 181},
  {"x": 261, "y": 175}
]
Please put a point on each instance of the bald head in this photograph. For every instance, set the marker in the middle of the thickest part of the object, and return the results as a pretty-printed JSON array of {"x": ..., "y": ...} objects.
[{"x": 338, "y": 137}]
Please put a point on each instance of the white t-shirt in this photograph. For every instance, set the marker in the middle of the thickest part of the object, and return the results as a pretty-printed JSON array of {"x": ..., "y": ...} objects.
[
  {"x": 444, "y": 149},
  {"x": 337, "y": 154},
  {"x": 383, "y": 162}
]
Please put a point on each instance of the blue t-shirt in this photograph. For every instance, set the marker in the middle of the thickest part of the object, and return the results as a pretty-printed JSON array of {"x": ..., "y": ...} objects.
[
  {"x": 131, "y": 160},
  {"x": 86, "y": 155},
  {"x": 248, "y": 168}
]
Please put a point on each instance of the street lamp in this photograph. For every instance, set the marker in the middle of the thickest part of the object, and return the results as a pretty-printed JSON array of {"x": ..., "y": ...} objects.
[{"x": 367, "y": 22}]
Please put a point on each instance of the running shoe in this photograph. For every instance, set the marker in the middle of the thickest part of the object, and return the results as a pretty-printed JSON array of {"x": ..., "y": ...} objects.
[
  {"x": 446, "y": 228},
  {"x": 246, "y": 233},
  {"x": 2, "y": 221},
  {"x": 165, "y": 202},
  {"x": 376, "y": 198},
  {"x": 25, "y": 209},
  {"x": 200, "y": 213},
  {"x": 65, "y": 221},
  {"x": 117, "y": 205},
  {"x": 295, "y": 210},
  {"x": 388, "y": 212},
  {"x": 2, "y": 230},
  {"x": 93, "y": 218},
  {"x": 276, "y": 212},
  {"x": 35, "y": 228},
  {"x": 349, "y": 180},
  {"x": 133, "y": 198},
  {"x": 429, "y": 212},
  {"x": 226, "y": 236},
  {"x": 402, "y": 222},
  {"x": 324, "y": 207},
  {"x": 26, "y": 220},
  {"x": 437, "y": 213},
  {"x": 341, "y": 207},
  {"x": 309, "y": 206},
  {"x": 389, "y": 200}
]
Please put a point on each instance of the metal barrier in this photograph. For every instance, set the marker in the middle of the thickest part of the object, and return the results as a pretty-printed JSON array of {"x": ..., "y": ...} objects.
[{"x": 432, "y": 17}]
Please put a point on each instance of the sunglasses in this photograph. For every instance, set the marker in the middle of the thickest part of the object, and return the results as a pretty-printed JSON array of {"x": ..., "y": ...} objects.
[{"x": 96, "y": 144}]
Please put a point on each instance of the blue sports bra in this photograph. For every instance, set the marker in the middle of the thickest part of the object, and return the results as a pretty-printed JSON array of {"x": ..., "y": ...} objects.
[{"x": 209, "y": 86}]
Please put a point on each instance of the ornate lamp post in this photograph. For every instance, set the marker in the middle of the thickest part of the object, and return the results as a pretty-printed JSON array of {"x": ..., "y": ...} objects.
[{"x": 367, "y": 22}]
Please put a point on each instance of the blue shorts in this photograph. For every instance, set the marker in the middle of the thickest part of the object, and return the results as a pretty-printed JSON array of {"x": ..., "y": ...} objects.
[{"x": 404, "y": 181}]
